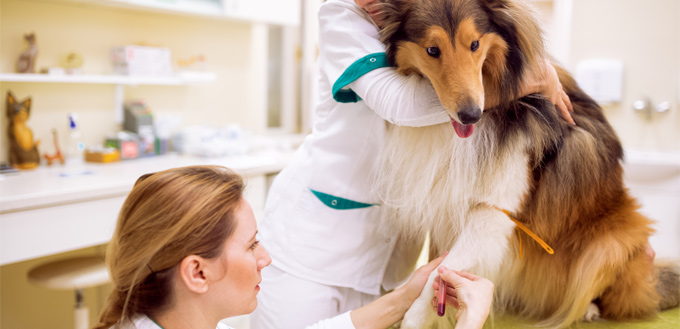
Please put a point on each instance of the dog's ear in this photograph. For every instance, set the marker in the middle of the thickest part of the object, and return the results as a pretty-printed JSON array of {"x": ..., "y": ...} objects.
[
  {"x": 394, "y": 14},
  {"x": 515, "y": 22},
  {"x": 493, "y": 4}
]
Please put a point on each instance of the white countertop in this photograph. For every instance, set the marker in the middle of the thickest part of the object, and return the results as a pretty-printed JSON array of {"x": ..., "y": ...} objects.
[{"x": 75, "y": 182}]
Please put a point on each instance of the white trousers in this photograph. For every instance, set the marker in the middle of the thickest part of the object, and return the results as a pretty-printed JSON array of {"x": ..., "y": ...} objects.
[{"x": 288, "y": 302}]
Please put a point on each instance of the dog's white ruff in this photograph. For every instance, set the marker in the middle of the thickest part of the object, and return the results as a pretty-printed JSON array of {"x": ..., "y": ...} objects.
[{"x": 429, "y": 179}]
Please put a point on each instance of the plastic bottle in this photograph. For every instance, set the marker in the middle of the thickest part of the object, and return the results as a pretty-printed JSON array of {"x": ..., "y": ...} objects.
[{"x": 75, "y": 145}]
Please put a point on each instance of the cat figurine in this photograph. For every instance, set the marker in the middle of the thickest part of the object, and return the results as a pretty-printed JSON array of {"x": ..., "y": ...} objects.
[
  {"x": 23, "y": 151},
  {"x": 26, "y": 61}
]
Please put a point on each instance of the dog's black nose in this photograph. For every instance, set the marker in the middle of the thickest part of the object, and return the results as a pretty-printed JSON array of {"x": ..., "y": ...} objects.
[{"x": 469, "y": 114}]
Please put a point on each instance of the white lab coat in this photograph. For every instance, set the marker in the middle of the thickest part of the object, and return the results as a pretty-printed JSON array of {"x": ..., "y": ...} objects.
[
  {"x": 342, "y": 321},
  {"x": 320, "y": 217},
  {"x": 142, "y": 321}
]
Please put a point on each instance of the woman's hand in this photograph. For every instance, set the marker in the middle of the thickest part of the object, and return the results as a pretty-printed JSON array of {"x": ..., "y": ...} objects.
[
  {"x": 372, "y": 8},
  {"x": 651, "y": 254},
  {"x": 471, "y": 295},
  {"x": 412, "y": 289},
  {"x": 390, "y": 308},
  {"x": 544, "y": 80}
]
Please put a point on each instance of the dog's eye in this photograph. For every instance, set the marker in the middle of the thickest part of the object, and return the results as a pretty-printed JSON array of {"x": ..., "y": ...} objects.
[
  {"x": 433, "y": 51},
  {"x": 474, "y": 45}
]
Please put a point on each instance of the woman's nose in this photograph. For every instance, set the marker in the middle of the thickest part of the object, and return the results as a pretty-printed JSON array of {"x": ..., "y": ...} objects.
[{"x": 264, "y": 260}]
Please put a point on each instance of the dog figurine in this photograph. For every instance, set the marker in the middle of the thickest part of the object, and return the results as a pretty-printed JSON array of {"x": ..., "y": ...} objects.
[
  {"x": 23, "y": 151},
  {"x": 517, "y": 165}
]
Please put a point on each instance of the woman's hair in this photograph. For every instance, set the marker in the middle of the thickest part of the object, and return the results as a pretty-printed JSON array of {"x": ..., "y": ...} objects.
[{"x": 167, "y": 216}]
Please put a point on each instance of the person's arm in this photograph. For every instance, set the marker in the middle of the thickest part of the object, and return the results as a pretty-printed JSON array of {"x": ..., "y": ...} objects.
[
  {"x": 544, "y": 80},
  {"x": 411, "y": 100},
  {"x": 347, "y": 36},
  {"x": 390, "y": 308},
  {"x": 386, "y": 310},
  {"x": 400, "y": 100}
]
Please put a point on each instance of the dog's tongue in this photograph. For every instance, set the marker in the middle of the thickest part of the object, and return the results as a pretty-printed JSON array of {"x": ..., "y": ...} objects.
[{"x": 463, "y": 131}]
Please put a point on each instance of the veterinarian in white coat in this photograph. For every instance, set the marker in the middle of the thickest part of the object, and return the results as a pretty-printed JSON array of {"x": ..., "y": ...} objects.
[{"x": 329, "y": 256}]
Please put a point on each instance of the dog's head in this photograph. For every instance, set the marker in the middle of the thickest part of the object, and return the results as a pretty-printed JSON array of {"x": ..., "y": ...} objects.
[{"x": 463, "y": 47}]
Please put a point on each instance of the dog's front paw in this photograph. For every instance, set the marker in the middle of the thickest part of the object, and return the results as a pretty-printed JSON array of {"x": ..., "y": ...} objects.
[
  {"x": 420, "y": 315},
  {"x": 413, "y": 319},
  {"x": 592, "y": 313}
]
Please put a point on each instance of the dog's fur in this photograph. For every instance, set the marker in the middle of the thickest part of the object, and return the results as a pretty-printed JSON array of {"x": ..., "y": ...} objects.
[{"x": 563, "y": 182}]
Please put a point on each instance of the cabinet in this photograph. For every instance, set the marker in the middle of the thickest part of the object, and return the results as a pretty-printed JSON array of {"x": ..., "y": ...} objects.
[
  {"x": 57, "y": 209},
  {"x": 281, "y": 12}
]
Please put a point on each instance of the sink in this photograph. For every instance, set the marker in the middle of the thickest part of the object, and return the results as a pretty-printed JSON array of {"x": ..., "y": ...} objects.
[{"x": 649, "y": 167}]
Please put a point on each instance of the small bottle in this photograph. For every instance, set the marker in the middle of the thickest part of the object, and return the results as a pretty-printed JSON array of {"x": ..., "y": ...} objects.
[{"x": 75, "y": 145}]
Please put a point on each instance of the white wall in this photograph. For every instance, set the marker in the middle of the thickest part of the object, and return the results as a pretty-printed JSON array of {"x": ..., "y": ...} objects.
[{"x": 645, "y": 35}]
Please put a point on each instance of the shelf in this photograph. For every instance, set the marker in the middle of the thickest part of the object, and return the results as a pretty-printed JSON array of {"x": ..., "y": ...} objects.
[
  {"x": 280, "y": 12},
  {"x": 119, "y": 81},
  {"x": 195, "y": 7},
  {"x": 124, "y": 80}
]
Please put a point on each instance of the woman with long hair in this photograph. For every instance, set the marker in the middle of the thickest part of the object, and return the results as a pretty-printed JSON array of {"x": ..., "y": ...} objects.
[{"x": 185, "y": 255}]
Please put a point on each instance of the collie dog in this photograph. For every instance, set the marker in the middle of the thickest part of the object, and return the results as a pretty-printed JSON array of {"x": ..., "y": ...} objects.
[{"x": 520, "y": 160}]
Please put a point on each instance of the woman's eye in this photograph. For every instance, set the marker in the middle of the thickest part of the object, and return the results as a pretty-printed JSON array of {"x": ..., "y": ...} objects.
[
  {"x": 474, "y": 45},
  {"x": 433, "y": 51},
  {"x": 255, "y": 245}
]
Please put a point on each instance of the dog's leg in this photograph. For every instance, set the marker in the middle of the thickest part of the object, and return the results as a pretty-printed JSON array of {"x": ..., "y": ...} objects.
[
  {"x": 592, "y": 313},
  {"x": 480, "y": 249},
  {"x": 632, "y": 296}
]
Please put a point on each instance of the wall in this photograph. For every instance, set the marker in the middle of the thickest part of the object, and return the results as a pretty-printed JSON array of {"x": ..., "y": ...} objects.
[
  {"x": 645, "y": 35},
  {"x": 233, "y": 50}
]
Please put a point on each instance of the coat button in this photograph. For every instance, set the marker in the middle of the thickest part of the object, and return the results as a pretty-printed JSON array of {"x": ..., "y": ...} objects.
[{"x": 388, "y": 240}]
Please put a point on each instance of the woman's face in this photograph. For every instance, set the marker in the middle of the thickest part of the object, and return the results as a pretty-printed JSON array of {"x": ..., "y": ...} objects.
[{"x": 243, "y": 258}]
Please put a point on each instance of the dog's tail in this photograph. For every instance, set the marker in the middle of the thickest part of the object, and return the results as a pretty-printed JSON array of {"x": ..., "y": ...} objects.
[{"x": 668, "y": 283}]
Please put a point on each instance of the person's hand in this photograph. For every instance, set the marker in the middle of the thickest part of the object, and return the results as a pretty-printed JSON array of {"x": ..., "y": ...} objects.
[
  {"x": 412, "y": 289},
  {"x": 390, "y": 308},
  {"x": 651, "y": 254},
  {"x": 372, "y": 8},
  {"x": 471, "y": 295},
  {"x": 544, "y": 80}
]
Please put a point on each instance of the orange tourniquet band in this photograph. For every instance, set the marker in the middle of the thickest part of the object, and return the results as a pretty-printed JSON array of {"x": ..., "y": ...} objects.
[{"x": 528, "y": 232}]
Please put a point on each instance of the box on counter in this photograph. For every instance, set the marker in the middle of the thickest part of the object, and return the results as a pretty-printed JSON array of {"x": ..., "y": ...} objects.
[
  {"x": 127, "y": 143},
  {"x": 103, "y": 155},
  {"x": 161, "y": 146},
  {"x": 140, "y": 60},
  {"x": 139, "y": 120},
  {"x": 147, "y": 145},
  {"x": 137, "y": 117}
]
